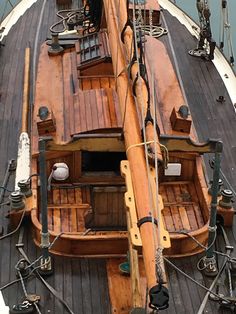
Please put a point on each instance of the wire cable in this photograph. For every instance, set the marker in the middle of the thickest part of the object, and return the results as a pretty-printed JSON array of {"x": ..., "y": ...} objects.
[
  {"x": 193, "y": 280},
  {"x": 17, "y": 228}
]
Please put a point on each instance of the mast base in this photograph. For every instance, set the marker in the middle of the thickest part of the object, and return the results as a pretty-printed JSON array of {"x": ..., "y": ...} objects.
[{"x": 159, "y": 297}]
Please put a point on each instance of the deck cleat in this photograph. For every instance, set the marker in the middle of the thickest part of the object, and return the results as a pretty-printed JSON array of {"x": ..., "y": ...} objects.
[
  {"x": 22, "y": 308},
  {"x": 226, "y": 201},
  {"x": 198, "y": 52},
  {"x": 209, "y": 266}
]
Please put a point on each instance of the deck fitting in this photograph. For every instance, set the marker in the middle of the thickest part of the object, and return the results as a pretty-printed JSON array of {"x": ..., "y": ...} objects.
[
  {"x": 25, "y": 189},
  {"x": 209, "y": 266},
  {"x": 221, "y": 99},
  {"x": 16, "y": 200},
  {"x": 226, "y": 201},
  {"x": 45, "y": 268},
  {"x": 55, "y": 49}
]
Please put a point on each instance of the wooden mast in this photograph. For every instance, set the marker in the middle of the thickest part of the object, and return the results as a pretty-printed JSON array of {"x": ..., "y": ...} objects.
[{"x": 132, "y": 134}]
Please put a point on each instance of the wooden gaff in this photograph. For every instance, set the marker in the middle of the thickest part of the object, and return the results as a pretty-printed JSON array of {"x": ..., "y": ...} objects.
[
  {"x": 25, "y": 109},
  {"x": 132, "y": 134}
]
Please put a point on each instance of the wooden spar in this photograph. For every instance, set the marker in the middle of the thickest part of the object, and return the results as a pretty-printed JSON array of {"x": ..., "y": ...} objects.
[
  {"x": 25, "y": 109},
  {"x": 132, "y": 136},
  {"x": 23, "y": 155},
  {"x": 140, "y": 86}
]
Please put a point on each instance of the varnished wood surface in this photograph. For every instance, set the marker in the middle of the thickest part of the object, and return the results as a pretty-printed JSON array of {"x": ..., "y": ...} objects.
[
  {"x": 181, "y": 207},
  {"x": 80, "y": 280},
  {"x": 77, "y": 280}
]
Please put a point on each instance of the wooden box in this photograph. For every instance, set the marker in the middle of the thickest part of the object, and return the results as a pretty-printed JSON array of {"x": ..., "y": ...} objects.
[
  {"x": 178, "y": 123},
  {"x": 46, "y": 126}
]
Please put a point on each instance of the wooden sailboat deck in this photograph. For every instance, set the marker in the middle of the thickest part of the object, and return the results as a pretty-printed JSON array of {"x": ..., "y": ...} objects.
[{"x": 83, "y": 282}]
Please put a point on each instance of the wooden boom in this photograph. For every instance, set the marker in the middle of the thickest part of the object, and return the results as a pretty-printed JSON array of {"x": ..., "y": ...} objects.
[{"x": 116, "y": 20}]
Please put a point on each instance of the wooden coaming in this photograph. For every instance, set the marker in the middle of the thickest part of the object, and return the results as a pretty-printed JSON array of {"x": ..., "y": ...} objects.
[
  {"x": 75, "y": 110},
  {"x": 79, "y": 244},
  {"x": 88, "y": 103},
  {"x": 72, "y": 274}
]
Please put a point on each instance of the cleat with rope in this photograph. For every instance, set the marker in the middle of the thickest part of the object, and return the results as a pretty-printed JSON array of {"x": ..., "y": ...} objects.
[
  {"x": 22, "y": 268},
  {"x": 209, "y": 266},
  {"x": 23, "y": 308},
  {"x": 198, "y": 52}
]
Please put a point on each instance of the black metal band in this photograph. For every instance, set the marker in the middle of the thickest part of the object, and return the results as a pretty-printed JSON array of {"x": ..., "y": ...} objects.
[{"x": 146, "y": 219}]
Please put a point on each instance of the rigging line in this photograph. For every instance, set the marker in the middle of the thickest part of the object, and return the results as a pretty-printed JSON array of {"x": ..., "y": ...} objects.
[
  {"x": 24, "y": 277},
  {"x": 15, "y": 230},
  {"x": 127, "y": 88},
  {"x": 70, "y": 14},
  {"x": 157, "y": 208},
  {"x": 11, "y": 4},
  {"x": 31, "y": 265},
  {"x": 224, "y": 264},
  {"x": 25, "y": 292},
  {"x": 175, "y": 60},
  {"x": 118, "y": 18},
  {"x": 158, "y": 211},
  {"x": 195, "y": 281},
  {"x": 4, "y": 11},
  {"x": 144, "y": 136},
  {"x": 229, "y": 37},
  {"x": 52, "y": 290},
  {"x": 221, "y": 27},
  {"x": 231, "y": 259},
  {"x": 159, "y": 255}
]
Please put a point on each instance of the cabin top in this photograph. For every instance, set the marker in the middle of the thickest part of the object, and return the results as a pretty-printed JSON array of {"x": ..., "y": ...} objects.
[{"x": 76, "y": 90}]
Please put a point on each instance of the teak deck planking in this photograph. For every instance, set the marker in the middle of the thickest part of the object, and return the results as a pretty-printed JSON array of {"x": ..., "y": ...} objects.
[{"x": 71, "y": 275}]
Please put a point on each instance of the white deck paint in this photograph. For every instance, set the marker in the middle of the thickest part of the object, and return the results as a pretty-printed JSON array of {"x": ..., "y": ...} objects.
[
  {"x": 223, "y": 67},
  {"x": 3, "y": 308},
  {"x": 23, "y": 159},
  {"x": 14, "y": 15}
]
